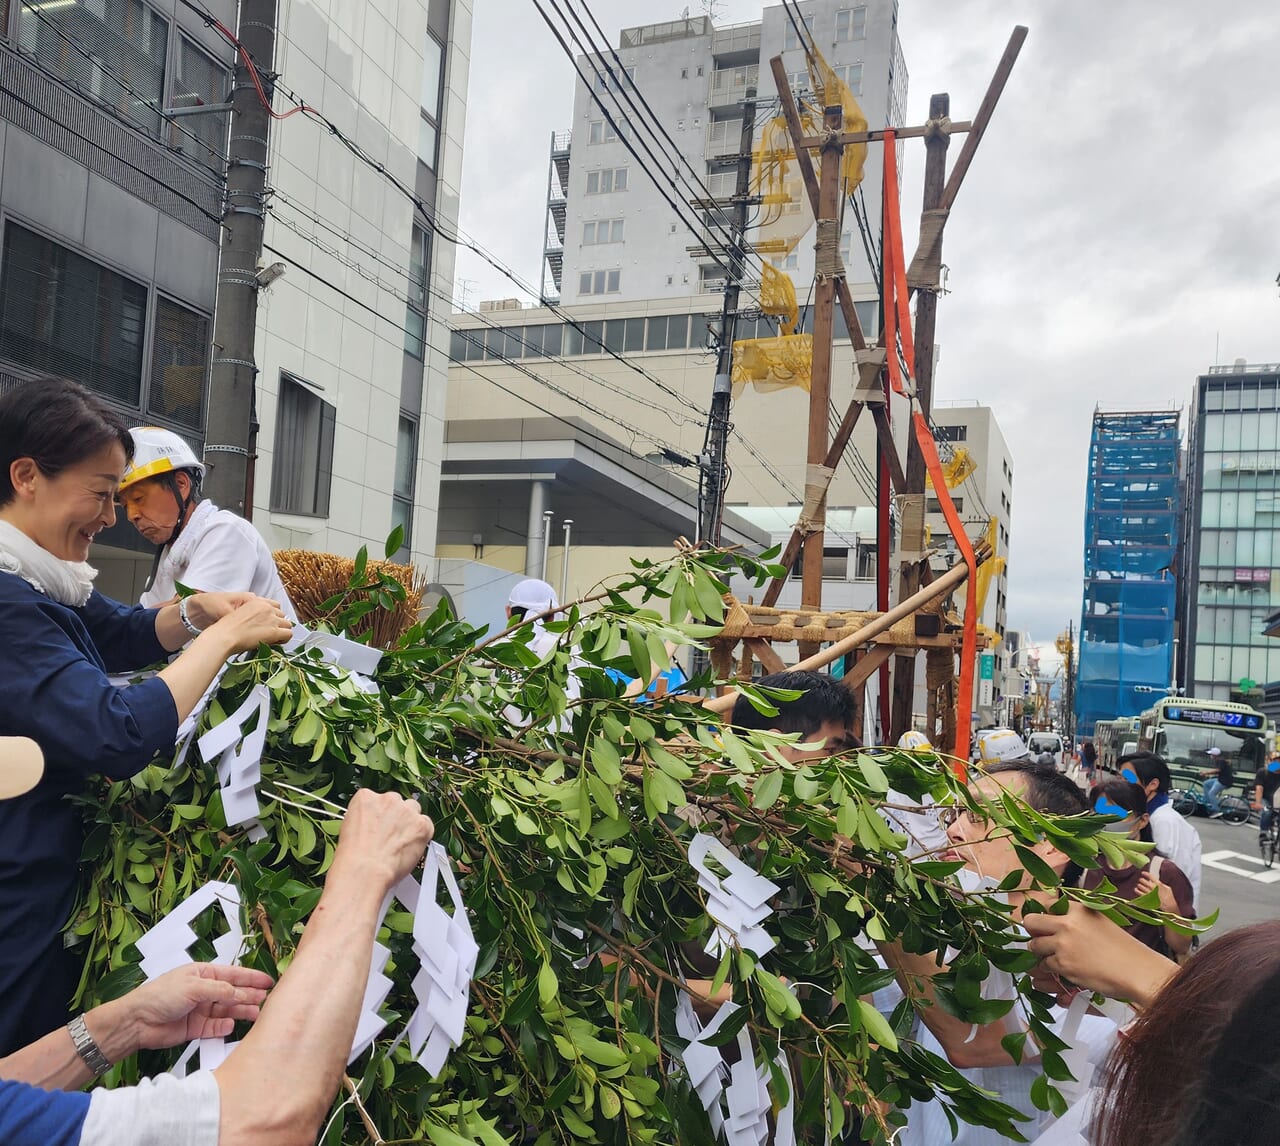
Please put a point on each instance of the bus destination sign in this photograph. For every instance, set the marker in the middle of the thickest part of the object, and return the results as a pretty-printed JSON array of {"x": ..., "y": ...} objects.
[{"x": 1215, "y": 716}]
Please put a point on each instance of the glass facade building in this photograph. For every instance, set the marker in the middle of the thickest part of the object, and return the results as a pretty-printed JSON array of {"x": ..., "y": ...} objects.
[
  {"x": 1132, "y": 523},
  {"x": 1233, "y": 528}
]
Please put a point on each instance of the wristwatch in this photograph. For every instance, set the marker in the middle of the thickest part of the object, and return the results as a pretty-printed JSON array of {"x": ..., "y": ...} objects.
[{"x": 89, "y": 1051}]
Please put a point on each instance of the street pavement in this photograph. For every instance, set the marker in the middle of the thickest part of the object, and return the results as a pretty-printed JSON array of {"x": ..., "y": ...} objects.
[{"x": 1233, "y": 881}]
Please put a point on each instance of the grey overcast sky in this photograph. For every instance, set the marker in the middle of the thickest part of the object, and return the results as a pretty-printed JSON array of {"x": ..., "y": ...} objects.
[{"x": 1119, "y": 226}]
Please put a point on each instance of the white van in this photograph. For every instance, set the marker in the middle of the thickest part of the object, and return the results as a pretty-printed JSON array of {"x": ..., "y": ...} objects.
[{"x": 1038, "y": 743}]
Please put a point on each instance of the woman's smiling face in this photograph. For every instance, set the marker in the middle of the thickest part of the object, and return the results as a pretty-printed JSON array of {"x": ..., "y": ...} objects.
[{"x": 64, "y": 512}]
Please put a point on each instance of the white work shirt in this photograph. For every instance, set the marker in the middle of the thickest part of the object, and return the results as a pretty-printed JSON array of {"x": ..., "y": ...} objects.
[
  {"x": 218, "y": 551},
  {"x": 1178, "y": 842}
]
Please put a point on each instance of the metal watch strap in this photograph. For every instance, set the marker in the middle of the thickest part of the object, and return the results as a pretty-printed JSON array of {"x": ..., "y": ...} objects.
[
  {"x": 186, "y": 621},
  {"x": 86, "y": 1048}
]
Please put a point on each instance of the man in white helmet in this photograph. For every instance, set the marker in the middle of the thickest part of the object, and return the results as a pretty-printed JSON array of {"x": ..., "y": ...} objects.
[{"x": 197, "y": 544}]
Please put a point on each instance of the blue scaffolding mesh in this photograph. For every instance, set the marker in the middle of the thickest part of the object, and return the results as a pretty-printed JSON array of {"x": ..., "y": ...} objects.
[{"x": 1132, "y": 511}]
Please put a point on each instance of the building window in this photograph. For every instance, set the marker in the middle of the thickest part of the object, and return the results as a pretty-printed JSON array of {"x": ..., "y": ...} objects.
[
  {"x": 851, "y": 76},
  {"x": 602, "y": 231},
  {"x": 95, "y": 46},
  {"x": 402, "y": 489},
  {"x": 951, "y": 433},
  {"x": 851, "y": 24},
  {"x": 302, "y": 469},
  {"x": 790, "y": 40},
  {"x": 606, "y": 181},
  {"x": 710, "y": 280},
  {"x": 699, "y": 72},
  {"x": 63, "y": 314},
  {"x": 609, "y": 79},
  {"x": 602, "y": 131},
  {"x": 200, "y": 81},
  {"x": 432, "y": 99},
  {"x": 179, "y": 359},
  {"x": 415, "y": 316},
  {"x": 933, "y": 505},
  {"x": 684, "y": 73},
  {"x": 599, "y": 282}
]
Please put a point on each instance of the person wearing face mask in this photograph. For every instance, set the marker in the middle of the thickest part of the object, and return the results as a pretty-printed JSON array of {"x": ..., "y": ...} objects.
[
  {"x": 62, "y": 455},
  {"x": 1174, "y": 836},
  {"x": 1126, "y": 802},
  {"x": 1265, "y": 782},
  {"x": 989, "y": 857}
]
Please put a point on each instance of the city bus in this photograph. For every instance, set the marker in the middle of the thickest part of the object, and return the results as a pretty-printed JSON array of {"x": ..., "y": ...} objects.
[
  {"x": 1113, "y": 739},
  {"x": 1182, "y": 731}
]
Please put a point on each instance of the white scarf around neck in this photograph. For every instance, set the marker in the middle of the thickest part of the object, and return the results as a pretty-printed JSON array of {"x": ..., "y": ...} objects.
[{"x": 67, "y": 582}]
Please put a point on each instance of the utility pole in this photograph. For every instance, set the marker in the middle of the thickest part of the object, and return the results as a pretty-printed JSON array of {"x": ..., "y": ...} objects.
[
  {"x": 232, "y": 431},
  {"x": 828, "y": 269},
  {"x": 936, "y": 140},
  {"x": 714, "y": 462}
]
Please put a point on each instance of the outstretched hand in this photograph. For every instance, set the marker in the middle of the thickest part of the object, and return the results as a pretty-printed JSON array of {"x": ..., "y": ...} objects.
[{"x": 197, "y": 1001}]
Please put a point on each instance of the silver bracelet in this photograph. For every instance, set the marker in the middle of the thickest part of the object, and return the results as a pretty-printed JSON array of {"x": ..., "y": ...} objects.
[
  {"x": 89, "y": 1051},
  {"x": 186, "y": 621}
]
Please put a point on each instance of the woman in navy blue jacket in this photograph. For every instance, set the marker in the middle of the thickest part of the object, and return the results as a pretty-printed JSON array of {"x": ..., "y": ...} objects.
[{"x": 62, "y": 455}]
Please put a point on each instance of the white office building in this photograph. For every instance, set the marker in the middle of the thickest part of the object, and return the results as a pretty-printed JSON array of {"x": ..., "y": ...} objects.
[{"x": 611, "y": 234}]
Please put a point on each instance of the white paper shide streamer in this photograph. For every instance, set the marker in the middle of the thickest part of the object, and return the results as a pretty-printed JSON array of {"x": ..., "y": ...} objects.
[
  {"x": 736, "y": 1098},
  {"x": 738, "y": 901},
  {"x": 239, "y": 756},
  {"x": 446, "y": 951},
  {"x": 168, "y": 946}
]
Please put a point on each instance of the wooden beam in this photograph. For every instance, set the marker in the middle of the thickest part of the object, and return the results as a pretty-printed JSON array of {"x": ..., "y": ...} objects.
[
  {"x": 885, "y": 433},
  {"x": 762, "y": 650},
  {"x": 869, "y": 662},
  {"x": 834, "y": 454},
  {"x": 957, "y": 127},
  {"x": 940, "y": 588}
]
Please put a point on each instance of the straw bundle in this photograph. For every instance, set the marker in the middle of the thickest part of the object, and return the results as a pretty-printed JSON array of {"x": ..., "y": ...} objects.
[{"x": 313, "y": 578}]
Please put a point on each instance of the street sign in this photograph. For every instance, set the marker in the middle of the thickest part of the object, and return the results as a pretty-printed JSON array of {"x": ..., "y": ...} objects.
[
  {"x": 987, "y": 666},
  {"x": 986, "y": 680}
]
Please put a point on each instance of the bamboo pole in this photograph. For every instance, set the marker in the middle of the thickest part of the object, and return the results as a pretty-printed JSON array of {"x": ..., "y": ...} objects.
[{"x": 941, "y": 587}]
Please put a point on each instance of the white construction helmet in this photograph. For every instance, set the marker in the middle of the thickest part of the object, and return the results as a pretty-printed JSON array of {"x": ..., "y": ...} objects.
[
  {"x": 157, "y": 452},
  {"x": 1001, "y": 745},
  {"x": 912, "y": 741}
]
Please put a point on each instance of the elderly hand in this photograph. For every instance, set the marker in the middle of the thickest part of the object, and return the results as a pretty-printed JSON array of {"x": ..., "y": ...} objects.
[
  {"x": 205, "y": 609},
  {"x": 196, "y": 1001},
  {"x": 1090, "y": 951},
  {"x": 383, "y": 837}
]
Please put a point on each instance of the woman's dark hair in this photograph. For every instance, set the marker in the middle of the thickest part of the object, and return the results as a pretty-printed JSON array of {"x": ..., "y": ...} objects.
[
  {"x": 57, "y": 424},
  {"x": 1128, "y": 796},
  {"x": 824, "y": 700},
  {"x": 1233, "y": 1103},
  {"x": 1170, "y": 1064}
]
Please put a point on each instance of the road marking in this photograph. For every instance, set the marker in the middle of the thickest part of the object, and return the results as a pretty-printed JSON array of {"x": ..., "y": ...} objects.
[{"x": 1218, "y": 861}]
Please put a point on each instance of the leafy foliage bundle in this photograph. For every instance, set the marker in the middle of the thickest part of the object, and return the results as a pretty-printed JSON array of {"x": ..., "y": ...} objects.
[{"x": 568, "y": 820}]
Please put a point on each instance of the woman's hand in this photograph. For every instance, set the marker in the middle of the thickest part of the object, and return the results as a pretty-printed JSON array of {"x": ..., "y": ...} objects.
[
  {"x": 206, "y": 609},
  {"x": 247, "y": 621},
  {"x": 1091, "y": 951}
]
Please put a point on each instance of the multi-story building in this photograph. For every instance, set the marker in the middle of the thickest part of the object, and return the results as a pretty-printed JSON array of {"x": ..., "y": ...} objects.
[
  {"x": 110, "y": 206},
  {"x": 111, "y": 202},
  {"x": 1233, "y": 530},
  {"x": 353, "y": 340},
  {"x": 1133, "y": 511},
  {"x": 611, "y": 232}
]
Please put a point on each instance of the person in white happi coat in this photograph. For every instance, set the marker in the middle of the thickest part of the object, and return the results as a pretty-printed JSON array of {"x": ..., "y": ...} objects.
[{"x": 197, "y": 544}]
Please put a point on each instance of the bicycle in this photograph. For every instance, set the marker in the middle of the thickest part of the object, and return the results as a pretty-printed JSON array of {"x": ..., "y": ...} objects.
[
  {"x": 1191, "y": 801},
  {"x": 1269, "y": 841}
]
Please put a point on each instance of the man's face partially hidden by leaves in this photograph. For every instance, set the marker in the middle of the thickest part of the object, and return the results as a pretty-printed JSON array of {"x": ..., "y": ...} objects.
[
  {"x": 987, "y": 849},
  {"x": 832, "y": 737}
]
